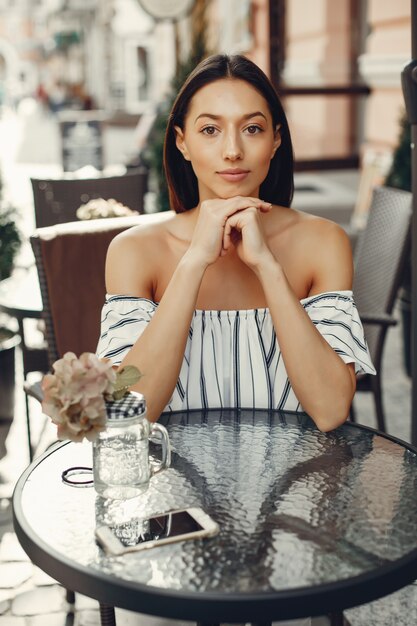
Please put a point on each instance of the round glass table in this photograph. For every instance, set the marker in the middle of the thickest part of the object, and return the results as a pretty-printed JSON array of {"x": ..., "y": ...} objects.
[{"x": 310, "y": 522}]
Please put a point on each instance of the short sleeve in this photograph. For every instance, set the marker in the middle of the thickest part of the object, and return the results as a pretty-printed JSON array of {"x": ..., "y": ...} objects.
[
  {"x": 337, "y": 319},
  {"x": 123, "y": 320}
]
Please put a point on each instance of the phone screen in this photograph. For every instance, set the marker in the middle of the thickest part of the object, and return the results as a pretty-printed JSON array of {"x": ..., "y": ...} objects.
[{"x": 163, "y": 526}]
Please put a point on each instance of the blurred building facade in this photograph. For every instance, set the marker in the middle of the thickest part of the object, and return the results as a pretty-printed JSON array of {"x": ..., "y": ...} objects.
[
  {"x": 336, "y": 64},
  {"x": 82, "y": 53},
  {"x": 344, "y": 61}
]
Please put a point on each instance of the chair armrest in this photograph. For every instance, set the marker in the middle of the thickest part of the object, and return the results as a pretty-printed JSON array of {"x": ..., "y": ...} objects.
[
  {"x": 33, "y": 390},
  {"x": 380, "y": 319}
]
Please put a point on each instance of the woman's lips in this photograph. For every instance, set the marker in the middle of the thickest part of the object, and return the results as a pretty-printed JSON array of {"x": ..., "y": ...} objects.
[{"x": 233, "y": 176}]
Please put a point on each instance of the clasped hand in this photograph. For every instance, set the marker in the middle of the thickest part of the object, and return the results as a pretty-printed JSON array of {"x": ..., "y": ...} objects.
[{"x": 232, "y": 222}]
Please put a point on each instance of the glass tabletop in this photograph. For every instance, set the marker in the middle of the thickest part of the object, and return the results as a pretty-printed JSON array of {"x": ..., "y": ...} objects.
[{"x": 299, "y": 510}]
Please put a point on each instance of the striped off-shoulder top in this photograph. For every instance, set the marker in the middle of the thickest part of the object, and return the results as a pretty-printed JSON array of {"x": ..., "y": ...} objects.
[{"x": 232, "y": 358}]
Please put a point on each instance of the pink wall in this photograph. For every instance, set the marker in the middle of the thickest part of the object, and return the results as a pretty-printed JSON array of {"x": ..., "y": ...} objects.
[
  {"x": 259, "y": 54},
  {"x": 318, "y": 50},
  {"x": 320, "y": 36},
  {"x": 317, "y": 54},
  {"x": 388, "y": 48}
]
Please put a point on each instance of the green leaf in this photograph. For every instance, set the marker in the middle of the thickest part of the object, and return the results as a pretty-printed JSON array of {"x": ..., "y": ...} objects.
[
  {"x": 120, "y": 393},
  {"x": 126, "y": 377}
]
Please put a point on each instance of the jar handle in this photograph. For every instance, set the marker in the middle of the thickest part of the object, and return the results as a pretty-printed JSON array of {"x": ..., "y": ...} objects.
[{"x": 158, "y": 466}]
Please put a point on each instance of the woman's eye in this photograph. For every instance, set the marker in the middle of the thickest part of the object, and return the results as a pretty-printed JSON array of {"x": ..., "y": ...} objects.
[
  {"x": 253, "y": 129},
  {"x": 209, "y": 130}
]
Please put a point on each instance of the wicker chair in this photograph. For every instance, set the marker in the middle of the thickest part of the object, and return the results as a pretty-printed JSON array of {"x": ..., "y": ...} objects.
[
  {"x": 70, "y": 260},
  {"x": 57, "y": 200},
  {"x": 380, "y": 255}
]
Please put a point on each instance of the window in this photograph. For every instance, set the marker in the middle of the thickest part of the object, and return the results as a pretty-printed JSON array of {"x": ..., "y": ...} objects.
[{"x": 138, "y": 76}]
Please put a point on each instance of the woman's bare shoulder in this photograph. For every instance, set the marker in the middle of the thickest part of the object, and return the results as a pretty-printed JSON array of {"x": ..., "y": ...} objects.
[
  {"x": 304, "y": 228},
  {"x": 314, "y": 228},
  {"x": 149, "y": 230},
  {"x": 326, "y": 246},
  {"x": 314, "y": 247},
  {"x": 130, "y": 264}
]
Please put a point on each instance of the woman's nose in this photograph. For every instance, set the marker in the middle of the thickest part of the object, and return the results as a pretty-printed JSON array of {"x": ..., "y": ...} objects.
[{"x": 232, "y": 148}]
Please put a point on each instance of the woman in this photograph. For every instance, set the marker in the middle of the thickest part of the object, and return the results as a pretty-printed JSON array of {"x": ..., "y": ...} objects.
[{"x": 235, "y": 299}]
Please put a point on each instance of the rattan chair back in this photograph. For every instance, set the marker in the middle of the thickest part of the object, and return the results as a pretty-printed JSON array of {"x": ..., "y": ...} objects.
[
  {"x": 380, "y": 257},
  {"x": 56, "y": 200},
  {"x": 70, "y": 260}
]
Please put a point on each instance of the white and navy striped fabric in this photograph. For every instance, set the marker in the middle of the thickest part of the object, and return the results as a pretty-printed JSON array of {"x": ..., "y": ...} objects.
[{"x": 232, "y": 358}]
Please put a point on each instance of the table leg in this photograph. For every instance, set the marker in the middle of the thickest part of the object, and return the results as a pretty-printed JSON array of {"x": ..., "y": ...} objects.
[
  {"x": 338, "y": 619},
  {"x": 35, "y": 359},
  {"x": 70, "y": 596},
  {"x": 28, "y": 428},
  {"x": 107, "y": 615},
  {"x": 23, "y": 347}
]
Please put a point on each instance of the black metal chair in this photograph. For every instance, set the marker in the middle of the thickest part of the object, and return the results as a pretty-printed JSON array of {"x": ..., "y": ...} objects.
[
  {"x": 57, "y": 200},
  {"x": 380, "y": 257}
]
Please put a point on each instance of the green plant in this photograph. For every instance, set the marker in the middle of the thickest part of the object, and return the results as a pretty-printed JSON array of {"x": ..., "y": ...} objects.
[
  {"x": 399, "y": 175},
  {"x": 153, "y": 153},
  {"x": 10, "y": 239}
]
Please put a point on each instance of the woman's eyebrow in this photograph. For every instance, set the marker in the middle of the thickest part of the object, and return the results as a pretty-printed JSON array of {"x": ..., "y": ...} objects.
[{"x": 218, "y": 117}]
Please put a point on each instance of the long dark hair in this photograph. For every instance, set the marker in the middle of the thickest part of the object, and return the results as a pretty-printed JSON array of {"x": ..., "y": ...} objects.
[{"x": 278, "y": 187}]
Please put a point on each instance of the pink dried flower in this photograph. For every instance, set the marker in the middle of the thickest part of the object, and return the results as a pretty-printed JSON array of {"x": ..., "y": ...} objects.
[
  {"x": 75, "y": 394},
  {"x": 99, "y": 207}
]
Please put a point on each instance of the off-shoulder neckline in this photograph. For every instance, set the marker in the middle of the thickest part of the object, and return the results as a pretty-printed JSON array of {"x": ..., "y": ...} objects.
[{"x": 347, "y": 293}]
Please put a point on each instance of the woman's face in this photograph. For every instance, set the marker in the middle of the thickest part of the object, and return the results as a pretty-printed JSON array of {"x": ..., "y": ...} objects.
[{"x": 229, "y": 139}]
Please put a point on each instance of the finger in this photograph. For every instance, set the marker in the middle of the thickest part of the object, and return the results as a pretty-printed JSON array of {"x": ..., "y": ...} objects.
[
  {"x": 240, "y": 203},
  {"x": 226, "y": 235},
  {"x": 255, "y": 201},
  {"x": 246, "y": 202},
  {"x": 240, "y": 218},
  {"x": 232, "y": 228}
]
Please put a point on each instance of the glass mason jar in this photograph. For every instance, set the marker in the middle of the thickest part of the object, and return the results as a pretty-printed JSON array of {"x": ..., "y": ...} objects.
[{"x": 122, "y": 467}]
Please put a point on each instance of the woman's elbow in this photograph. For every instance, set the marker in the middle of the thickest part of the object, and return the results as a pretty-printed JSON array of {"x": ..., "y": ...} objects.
[
  {"x": 332, "y": 414},
  {"x": 328, "y": 423},
  {"x": 335, "y": 410}
]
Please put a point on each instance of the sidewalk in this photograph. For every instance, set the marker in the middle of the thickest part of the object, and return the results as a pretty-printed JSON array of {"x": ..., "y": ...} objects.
[{"x": 30, "y": 598}]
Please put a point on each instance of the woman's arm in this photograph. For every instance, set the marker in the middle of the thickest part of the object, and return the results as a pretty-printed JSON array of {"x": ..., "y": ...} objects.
[
  {"x": 130, "y": 269},
  {"x": 159, "y": 351},
  {"x": 321, "y": 380}
]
